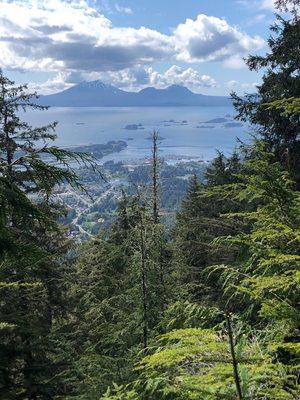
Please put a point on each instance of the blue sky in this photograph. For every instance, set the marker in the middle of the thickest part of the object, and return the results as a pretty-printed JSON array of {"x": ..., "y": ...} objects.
[{"x": 132, "y": 44}]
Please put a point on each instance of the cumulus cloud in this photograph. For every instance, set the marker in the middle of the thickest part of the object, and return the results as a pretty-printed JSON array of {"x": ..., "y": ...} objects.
[
  {"x": 131, "y": 79},
  {"x": 37, "y": 35},
  {"x": 212, "y": 39},
  {"x": 69, "y": 35},
  {"x": 140, "y": 77},
  {"x": 180, "y": 76},
  {"x": 53, "y": 85}
]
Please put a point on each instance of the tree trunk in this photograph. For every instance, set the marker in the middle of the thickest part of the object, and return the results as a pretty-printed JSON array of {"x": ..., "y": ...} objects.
[
  {"x": 233, "y": 358},
  {"x": 155, "y": 177},
  {"x": 144, "y": 285}
]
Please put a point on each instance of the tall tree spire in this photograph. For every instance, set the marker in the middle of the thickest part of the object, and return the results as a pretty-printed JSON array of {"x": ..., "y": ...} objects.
[{"x": 155, "y": 210}]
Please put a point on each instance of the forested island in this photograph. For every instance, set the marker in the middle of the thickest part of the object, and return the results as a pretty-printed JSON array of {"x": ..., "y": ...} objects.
[
  {"x": 205, "y": 306},
  {"x": 100, "y": 150}
]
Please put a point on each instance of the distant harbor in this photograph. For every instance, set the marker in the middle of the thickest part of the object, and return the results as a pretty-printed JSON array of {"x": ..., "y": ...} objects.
[{"x": 184, "y": 132}]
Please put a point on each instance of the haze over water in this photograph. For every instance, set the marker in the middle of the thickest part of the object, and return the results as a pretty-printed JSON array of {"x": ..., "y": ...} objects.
[{"x": 85, "y": 125}]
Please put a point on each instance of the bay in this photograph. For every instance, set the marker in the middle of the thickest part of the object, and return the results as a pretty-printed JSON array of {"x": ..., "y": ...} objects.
[{"x": 184, "y": 131}]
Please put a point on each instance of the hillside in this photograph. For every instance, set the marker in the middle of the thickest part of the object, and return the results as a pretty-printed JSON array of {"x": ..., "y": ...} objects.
[{"x": 99, "y": 94}]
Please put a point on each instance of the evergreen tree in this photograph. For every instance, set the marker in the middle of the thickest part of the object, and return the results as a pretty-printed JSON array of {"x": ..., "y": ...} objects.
[
  {"x": 155, "y": 164},
  {"x": 199, "y": 223},
  {"x": 264, "y": 274},
  {"x": 190, "y": 203},
  {"x": 216, "y": 173},
  {"x": 189, "y": 364},
  {"x": 213, "y": 314},
  {"x": 118, "y": 294},
  {"x": 31, "y": 246},
  {"x": 280, "y": 80}
]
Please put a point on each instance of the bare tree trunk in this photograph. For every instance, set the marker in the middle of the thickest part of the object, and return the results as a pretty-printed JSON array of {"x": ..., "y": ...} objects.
[
  {"x": 233, "y": 357},
  {"x": 155, "y": 211},
  {"x": 144, "y": 285},
  {"x": 155, "y": 184}
]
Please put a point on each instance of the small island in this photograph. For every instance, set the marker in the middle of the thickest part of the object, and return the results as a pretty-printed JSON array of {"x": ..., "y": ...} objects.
[
  {"x": 134, "y": 127},
  {"x": 100, "y": 150}
]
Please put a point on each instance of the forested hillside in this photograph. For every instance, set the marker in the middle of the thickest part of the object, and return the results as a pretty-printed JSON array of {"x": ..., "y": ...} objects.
[{"x": 210, "y": 312}]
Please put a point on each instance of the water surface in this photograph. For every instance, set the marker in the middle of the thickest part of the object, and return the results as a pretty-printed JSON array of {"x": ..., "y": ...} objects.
[{"x": 85, "y": 125}]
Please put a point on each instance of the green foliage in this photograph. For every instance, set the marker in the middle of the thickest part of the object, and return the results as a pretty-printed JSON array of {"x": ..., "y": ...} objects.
[
  {"x": 130, "y": 315},
  {"x": 113, "y": 313},
  {"x": 184, "y": 314},
  {"x": 199, "y": 223},
  {"x": 32, "y": 246},
  {"x": 268, "y": 269},
  {"x": 280, "y": 90},
  {"x": 196, "y": 363},
  {"x": 119, "y": 393},
  {"x": 265, "y": 274},
  {"x": 223, "y": 171},
  {"x": 290, "y": 106}
]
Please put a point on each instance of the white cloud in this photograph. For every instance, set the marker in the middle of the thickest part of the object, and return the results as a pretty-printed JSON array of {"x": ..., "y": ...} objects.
[
  {"x": 213, "y": 39},
  {"x": 123, "y": 10},
  {"x": 131, "y": 79},
  {"x": 175, "y": 75},
  {"x": 37, "y": 35},
  {"x": 69, "y": 35},
  {"x": 54, "y": 85}
]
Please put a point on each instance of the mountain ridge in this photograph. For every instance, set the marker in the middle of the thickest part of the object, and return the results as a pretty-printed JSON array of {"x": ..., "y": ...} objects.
[{"x": 99, "y": 94}]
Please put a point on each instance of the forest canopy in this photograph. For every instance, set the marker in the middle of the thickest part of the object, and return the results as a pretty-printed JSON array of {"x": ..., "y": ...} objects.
[{"x": 210, "y": 311}]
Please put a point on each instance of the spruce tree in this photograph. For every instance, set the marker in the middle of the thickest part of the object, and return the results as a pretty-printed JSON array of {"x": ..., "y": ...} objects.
[
  {"x": 281, "y": 79},
  {"x": 263, "y": 275},
  {"x": 32, "y": 244},
  {"x": 199, "y": 223},
  {"x": 216, "y": 173}
]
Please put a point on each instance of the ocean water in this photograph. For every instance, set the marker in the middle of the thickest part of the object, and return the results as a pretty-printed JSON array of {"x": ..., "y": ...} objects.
[{"x": 179, "y": 140}]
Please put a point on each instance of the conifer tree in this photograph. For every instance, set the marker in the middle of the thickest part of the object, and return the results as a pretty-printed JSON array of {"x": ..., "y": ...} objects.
[
  {"x": 216, "y": 173},
  {"x": 31, "y": 246},
  {"x": 155, "y": 162},
  {"x": 281, "y": 79},
  {"x": 118, "y": 300},
  {"x": 197, "y": 364},
  {"x": 264, "y": 274},
  {"x": 199, "y": 223}
]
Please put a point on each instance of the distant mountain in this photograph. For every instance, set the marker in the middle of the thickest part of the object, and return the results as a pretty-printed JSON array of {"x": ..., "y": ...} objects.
[{"x": 98, "y": 94}]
